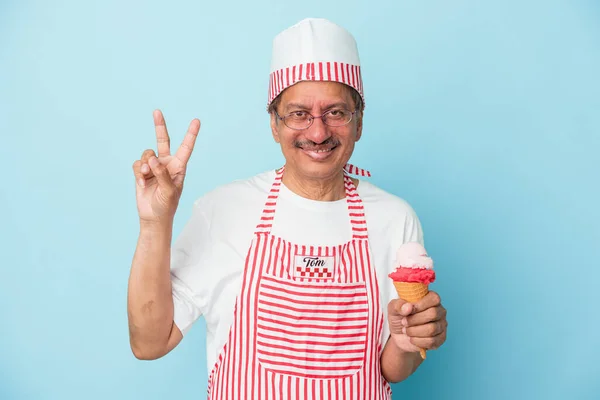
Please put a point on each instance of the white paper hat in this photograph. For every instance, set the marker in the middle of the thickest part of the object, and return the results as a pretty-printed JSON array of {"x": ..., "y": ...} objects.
[{"x": 314, "y": 49}]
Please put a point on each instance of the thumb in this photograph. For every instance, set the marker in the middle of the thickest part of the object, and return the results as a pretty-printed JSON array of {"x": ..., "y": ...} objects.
[
  {"x": 400, "y": 308},
  {"x": 162, "y": 174}
]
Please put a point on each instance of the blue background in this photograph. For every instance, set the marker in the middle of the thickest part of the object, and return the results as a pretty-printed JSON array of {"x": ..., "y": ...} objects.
[{"x": 484, "y": 115}]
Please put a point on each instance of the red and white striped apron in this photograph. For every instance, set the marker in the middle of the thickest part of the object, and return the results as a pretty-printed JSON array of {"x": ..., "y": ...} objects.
[{"x": 308, "y": 320}]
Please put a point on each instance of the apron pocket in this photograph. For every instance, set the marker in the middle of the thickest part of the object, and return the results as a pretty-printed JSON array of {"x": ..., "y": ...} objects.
[{"x": 311, "y": 330}]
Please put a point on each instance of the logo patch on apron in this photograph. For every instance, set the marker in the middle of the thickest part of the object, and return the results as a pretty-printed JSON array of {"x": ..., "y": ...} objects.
[{"x": 314, "y": 267}]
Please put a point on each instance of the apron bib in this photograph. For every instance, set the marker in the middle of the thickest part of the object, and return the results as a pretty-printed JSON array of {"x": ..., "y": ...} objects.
[{"x": 307, "y": 321}]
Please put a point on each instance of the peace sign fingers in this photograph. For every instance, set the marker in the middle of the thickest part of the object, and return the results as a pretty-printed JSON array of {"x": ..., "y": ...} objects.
[
  {"x": 163, "y": 141},
  {"x": 184, "y": 151}
]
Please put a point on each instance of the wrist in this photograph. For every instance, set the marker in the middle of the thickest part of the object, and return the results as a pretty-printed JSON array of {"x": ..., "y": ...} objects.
[
  {"x": 403, "y": 346},
  {"x": 156, "y": 226},
  {"x": 398, "y": 362}
]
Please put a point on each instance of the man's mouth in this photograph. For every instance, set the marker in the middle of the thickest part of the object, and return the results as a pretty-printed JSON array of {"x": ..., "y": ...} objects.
[
  {"x": 319, "y": 149},
  {"x": 318, "y": 153}
]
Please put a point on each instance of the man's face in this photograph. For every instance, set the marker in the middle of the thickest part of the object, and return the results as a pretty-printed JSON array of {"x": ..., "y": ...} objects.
[{"x": 320, "y": 151}]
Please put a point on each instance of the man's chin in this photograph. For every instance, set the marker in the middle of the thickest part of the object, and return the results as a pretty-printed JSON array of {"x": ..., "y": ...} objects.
[{"x": 319, "y": 169}]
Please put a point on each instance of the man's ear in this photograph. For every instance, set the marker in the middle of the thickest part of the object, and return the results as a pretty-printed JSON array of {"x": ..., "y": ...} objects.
[{"x": 274, "y": 127}]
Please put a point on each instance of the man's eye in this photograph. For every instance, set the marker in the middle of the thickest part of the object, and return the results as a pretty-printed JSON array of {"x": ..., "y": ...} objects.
[
  {"x": 337, "y": 114},
  {"x": 298, "y": 114}
]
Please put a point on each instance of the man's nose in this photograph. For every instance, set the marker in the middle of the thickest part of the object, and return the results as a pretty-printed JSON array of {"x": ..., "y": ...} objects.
[{"x": 318, "y": 132}]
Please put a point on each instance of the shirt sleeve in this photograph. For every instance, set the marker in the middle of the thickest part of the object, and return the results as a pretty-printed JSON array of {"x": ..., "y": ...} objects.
[
  {"x": 413, "y": 231},
  {"x": 189, "y": 300}
]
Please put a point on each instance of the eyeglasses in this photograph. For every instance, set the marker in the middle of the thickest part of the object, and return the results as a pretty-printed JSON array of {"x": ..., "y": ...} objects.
[{"x": 300, "y": 120}]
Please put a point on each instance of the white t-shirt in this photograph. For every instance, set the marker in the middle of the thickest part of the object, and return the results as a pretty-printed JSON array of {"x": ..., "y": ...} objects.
[{"x": 208, "y": 256}]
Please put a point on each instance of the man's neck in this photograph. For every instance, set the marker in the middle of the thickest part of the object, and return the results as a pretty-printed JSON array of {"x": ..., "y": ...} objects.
[{"x": 328, "y": 189}]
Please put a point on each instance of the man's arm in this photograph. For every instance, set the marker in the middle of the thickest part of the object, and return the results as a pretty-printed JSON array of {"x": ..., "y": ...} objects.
[
  {"x": 159, "y": 183},
  {"x": 412, "y": 327},
  {"x": 152, "y": 332},
  {"x": 397, "y": 364}
]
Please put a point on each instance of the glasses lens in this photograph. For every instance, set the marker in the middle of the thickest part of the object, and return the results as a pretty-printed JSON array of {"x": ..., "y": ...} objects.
[
  {"x": 297, "y": 120},
  {"x": 337, "y": 117},
  {"x": 302, "y": 119}
]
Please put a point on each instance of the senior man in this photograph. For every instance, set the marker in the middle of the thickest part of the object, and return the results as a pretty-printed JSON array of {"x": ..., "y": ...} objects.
[{"x": 288, "y": 267}]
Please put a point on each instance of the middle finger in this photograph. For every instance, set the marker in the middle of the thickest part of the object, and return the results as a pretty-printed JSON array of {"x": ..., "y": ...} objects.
[
  {"x": 430, "y": 315},
  {"x": 145, "y": 168},
  {"x": 424, "y": 331}
]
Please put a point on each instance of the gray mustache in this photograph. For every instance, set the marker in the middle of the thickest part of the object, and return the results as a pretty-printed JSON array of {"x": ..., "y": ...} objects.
[{"x": 310, "y": 145}]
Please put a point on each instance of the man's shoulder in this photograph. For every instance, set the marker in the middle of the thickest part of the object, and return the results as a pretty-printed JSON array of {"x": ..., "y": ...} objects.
[
  {"x": 376, "y": 198},
  {"x": 241, "y": 192}
]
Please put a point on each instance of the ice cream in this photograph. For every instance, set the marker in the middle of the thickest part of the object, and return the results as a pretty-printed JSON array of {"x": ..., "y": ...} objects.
[{"x": 414, "y": 272}]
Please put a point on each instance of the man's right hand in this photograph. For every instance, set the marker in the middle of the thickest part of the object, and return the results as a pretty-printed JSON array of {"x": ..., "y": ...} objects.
[{"x": 159, "y": 179}]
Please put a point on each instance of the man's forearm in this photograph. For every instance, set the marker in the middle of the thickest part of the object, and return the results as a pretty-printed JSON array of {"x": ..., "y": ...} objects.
[
  {"x": 150, "y": 302},
  {"x": 396, "y": 364}
]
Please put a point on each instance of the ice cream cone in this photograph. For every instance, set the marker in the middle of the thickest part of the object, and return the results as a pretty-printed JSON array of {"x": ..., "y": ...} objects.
[{"x": 412, "y": 292}]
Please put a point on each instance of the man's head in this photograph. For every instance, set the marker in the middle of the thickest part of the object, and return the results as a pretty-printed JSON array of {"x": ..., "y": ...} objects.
[
  {"x": 316, "y": 97},
  {"x": 317, "y": 147}
]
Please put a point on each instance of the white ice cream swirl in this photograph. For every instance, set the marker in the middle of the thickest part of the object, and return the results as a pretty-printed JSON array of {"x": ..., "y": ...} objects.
[{"x": 413, "y": 255}]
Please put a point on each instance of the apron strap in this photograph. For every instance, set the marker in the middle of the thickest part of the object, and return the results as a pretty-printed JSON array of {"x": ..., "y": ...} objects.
[
  {"x": 356, "y": 210},
  {"x": 268, "y": 214},
  {"x": 353, "y": 170}
]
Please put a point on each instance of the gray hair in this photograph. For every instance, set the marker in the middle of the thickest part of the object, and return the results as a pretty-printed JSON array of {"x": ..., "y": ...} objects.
[{"x": 356, "y": 97}]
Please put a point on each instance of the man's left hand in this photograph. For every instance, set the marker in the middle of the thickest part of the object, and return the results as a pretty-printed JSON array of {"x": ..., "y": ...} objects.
[{"x": 418, "y": 326}]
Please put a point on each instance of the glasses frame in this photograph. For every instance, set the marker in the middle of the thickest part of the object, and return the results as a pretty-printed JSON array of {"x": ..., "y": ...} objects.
[{"x": 312, "y": 118}]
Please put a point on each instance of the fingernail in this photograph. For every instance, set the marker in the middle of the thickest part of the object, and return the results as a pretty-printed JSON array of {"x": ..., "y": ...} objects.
[
  {"x": 406, "y": 308},
  {"x": 404, "y": 330},
  {"x": 145, "y": 168},
  {"x": 141, "y": 182},
  {"x": 153, "y": 161},
  {"x": 404, "y": 322}
]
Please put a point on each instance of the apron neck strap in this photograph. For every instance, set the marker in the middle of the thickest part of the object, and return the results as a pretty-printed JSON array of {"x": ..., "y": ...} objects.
[
  {"x": 353, "y": 170},
  {"x": 268, "y": 214},
  {"x": 356, "y": 210}
]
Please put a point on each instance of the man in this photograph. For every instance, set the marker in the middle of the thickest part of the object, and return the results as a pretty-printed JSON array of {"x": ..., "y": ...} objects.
[{"x": 289, "y": 268}]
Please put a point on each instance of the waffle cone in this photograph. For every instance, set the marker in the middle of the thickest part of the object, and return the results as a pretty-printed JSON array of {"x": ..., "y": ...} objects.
[{"x": 412, "y": 292}]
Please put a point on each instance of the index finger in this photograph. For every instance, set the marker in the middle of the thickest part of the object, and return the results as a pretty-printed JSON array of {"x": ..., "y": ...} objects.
[
  {"x": 184, "y": 151},
  {"x": 431, "y": 299},
  {"x": 163, "y": 142}
]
